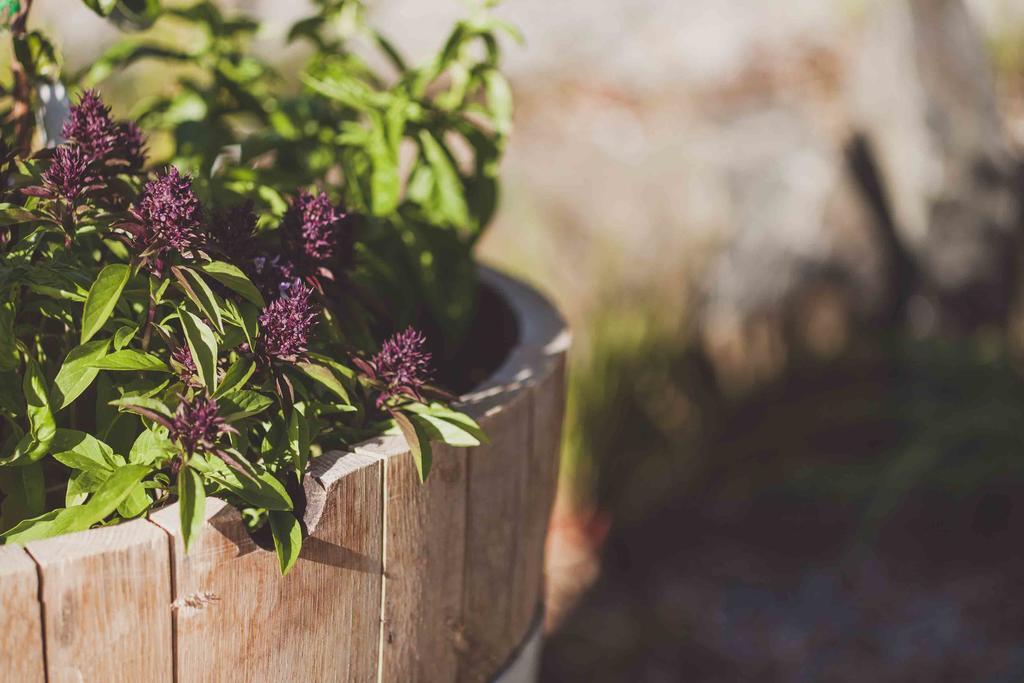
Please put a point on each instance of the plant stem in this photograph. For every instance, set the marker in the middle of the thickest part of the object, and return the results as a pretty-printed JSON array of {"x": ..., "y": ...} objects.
[
  {"x": 147, "y": 333},
  {"x": 21, "y": 112}
]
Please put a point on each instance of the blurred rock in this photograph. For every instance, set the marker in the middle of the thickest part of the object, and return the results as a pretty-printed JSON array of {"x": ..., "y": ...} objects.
[
  {"x": 804, "y": 260},
  {"x": 905, "y": 213},
  {"x": 922, "y": 96}
]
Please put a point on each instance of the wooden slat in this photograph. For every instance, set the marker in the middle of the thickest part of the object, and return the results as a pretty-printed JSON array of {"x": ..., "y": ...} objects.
[
  {"x": 539, "y": 486},
  {"x": 106, "y": 604},
  {"x": 496, "y": 474},
  {"x": 21, "y": 632},
  {"x": 237, "y": 619},
  {"x": 424, "y": 542}
]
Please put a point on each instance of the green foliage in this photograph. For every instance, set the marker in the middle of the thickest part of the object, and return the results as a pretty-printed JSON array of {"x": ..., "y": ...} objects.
[{"x": 140, "y": 370}]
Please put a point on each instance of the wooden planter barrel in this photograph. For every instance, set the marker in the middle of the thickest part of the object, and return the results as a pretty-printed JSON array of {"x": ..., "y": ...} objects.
[{"x": 397, "y": 581}]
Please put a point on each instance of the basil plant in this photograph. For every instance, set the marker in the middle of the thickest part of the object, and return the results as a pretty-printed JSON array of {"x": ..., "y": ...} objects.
[{"x": 198, "y": 299}]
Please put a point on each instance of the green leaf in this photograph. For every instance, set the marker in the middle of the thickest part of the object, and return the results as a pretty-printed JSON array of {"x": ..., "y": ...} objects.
[
  {"x": 326, "y": 377},
  {"x": 102, "y": 298},
  {"x": 124, "y": 335},
  {"x": 438, "y": 429},
  {"x": 419, "y": 443},
  {"x": 13, "y": 215},
  {"x": 77, "y": 372},
  {"x": 101, "y": 7},
  {"x": 242, "y": 404},
  {"x": 448, "y": 200},
  {"x": 81, "y": 451},
  {"x": 24, "y": 490},
  {"x": 193, "y": 284},
  {"x": 154, "y": 404},
  {"x": 445, "y": 420},
  {"x": 41, "y": 424},
  {"x": 137, "y": 502},
  {"x": 150, "y": 448},
  {"x": 236, "y": 377},
  {"x": 287, "y": 535},
  {"x": 298, "y": 437},
  {"x": 260, "y": 490},
  {"x": 8, "y": 340},
  {"x": 499, "y": 98},
  {"x": 191, "y": 504},
  {"x": 106, "y": 499},
  {"x": 234, "y": 279},
  {"x": 130, "y": 359},
  {"x": 203, "y": 345}
]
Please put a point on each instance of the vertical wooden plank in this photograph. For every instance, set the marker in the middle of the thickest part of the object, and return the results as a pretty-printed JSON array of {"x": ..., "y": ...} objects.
[
  {"x": 424, "y": 542},
  {"x": 238, "y": 619},
  {"x": 21, "y": 631},
  {"x": 496, "y": 473},
  {"x": 539, "y": 486},
  {"x": 106, "y": 604}
]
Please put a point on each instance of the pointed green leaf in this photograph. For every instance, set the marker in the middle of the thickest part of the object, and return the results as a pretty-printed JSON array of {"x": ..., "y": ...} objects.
[
  {"x": 114, "y": 490},
  {"x": 193, "y": 284},
  {"x": 203, "y": 345},
  {"x": 287, "y": 535},
  {"x": 102, "y": 298},
  {"x": 326, "y": 377},
  {"x": 242, "y": 404},
  {"x": 418, "y": 442},
  {"x": 77, "y": 372},
  {"x": 234, "y": 279},
  {"x": 130, "y": 359},
  {"x": 191, "y": 504},
  {"x": 236, "y": 377}
]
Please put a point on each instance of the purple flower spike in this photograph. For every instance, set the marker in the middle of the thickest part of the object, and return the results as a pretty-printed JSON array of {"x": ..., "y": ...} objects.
[
  {"x": 170, "y": 214},
  {"x": 130, "y": 145},
  {"x": 182, "y": 358},
  {"x": 91, "y": 127},
  {"x": 316, "y": 231},
  {"x": 197, "y": 426},
  {"x": 68, "y": 175},
  {"x": 285, "y": 326},
  {"x": 402, "y": 365}
]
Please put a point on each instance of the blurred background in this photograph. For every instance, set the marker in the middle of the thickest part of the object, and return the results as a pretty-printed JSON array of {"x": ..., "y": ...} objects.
[{"x": 787, "y": 238}]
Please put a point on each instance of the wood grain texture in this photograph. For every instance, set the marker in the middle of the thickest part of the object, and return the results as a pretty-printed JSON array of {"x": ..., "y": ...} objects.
[
  {"x": 21, "y": 630},
  {"x": 539, "y": 485},
  {"x": 494, "y": 503},
  {"x": 106, "y": 604},
  {"x": 238, "y": 619},
  {"x": 424, "y": 543}
]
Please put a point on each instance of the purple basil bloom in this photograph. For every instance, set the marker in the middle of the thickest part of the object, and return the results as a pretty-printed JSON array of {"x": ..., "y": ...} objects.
[
  {"x": 181, "y": 357},
  {"x": 317, "y": 232},
  {"x": 196, "y": 424},
  {"x": 285, "y": 326},
  {"x": 90, "y": 126},
  {"x": 104, "y": 139},
  {"x": 68, "y": 175},
  {"x": 402, "y": 365},
  {"x": 169, "y": 213},
  {"x": 129, "y": 145}
]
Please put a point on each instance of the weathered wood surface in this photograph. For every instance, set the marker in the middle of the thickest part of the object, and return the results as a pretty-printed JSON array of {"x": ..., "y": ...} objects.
[
  {"x": 422, "y": 634},
  {"x": 21, "y": 631},
  {"x": 238, "y": 619},
  {"x": 106, "y": 597},
  {"x": 397, "y": 581},
  {"x": 495, "y": 501},
  {"x": 539, "y": 485}
]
